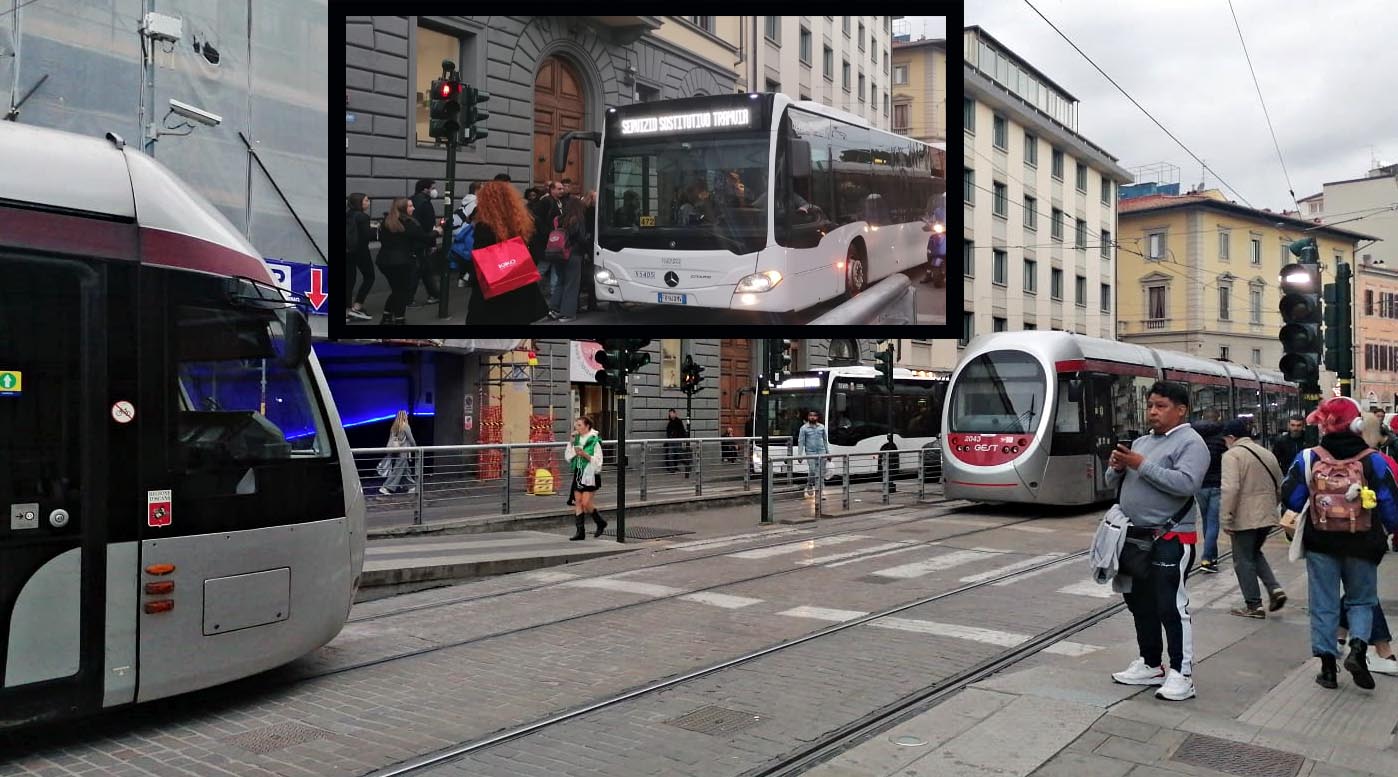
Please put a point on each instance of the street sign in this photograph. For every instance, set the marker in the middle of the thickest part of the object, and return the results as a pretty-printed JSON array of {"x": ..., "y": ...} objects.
[
  {"x": 11, "y": 383},
  {"x": 307, "y": 280}
]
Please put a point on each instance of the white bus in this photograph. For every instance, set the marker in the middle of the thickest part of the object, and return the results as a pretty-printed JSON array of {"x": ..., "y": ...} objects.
[
  {"x": 854, "y": 410},
  {"x": 756, "y": 202}
]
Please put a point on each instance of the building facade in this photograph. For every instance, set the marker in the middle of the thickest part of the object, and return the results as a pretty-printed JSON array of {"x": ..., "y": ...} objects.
[
  {"x": 1198, "y": 273},
  {"x": 1040, "y": 208},
  {"x": 920, "y": 89},
  {"x": 546, "y": 75},
  {"x": 77, "y": 66}
]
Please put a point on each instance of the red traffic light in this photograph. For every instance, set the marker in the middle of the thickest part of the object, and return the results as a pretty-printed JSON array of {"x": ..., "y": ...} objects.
[{"x": 446, "y": 90}]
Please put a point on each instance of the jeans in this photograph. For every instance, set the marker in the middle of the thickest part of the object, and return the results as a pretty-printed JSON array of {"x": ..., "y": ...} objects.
[
  {"x": 1379, "y": 633},
  {"x": 1361, "y": 598},
  {"x": 564, "y": 298},
  {"x": 549, "y": 276},
  {"x": 1208, "y": 511},
  {"x": 815, "y": 471},
  {"x": 1249, "y": 564},
  {"x": 1161, "y": 601},
  {"x": 676, "y": 457}
]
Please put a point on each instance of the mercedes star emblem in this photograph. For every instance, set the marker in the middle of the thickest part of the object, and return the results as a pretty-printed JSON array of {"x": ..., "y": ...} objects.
[
  {"x": 672, "y": 279},
  {"x": 672, "y": 244}
]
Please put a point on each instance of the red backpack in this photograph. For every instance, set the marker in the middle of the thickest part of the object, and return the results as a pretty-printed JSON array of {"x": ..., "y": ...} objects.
[{"x": 1331, "y": 481}]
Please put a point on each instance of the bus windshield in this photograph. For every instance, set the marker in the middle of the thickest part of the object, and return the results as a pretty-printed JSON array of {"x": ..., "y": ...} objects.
[
  {"x": 696, "y": 193},
  {"x": 239, "y": 402},
  {"x": 1000, "y": 392},
  {"x": 789, "y": 409}
]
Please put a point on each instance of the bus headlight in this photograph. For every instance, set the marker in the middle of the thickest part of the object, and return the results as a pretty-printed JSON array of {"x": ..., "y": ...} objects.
[
  {"x": 606, "y": 278},
  {"x": 759, "y": 282},
  {"x": 939, "y": 228}
]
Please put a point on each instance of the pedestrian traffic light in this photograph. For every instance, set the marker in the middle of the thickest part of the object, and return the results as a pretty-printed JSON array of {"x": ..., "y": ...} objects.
[
  {"x": 445, "y": 110},
  {"x": 472, "y": 115},
  {"x": 1300, "y": 307},
  {"x": 883, "y": 363}
]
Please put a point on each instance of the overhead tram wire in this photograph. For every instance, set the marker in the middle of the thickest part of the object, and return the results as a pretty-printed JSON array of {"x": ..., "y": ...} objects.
[
  {"x": 1137, "y": 104},
  {"x": 1290, "y": 189}
]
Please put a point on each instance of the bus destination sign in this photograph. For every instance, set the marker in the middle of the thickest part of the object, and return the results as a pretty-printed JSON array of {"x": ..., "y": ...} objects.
[{"x": 739, "y": 118}]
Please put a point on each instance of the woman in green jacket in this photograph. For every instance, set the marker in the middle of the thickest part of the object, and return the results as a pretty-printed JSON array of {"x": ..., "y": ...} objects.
[{"x": 584, "y": 454}]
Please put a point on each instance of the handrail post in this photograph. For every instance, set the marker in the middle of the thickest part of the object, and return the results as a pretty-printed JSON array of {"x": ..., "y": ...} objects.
[
  {"x": 747, "y": 464},
  {"x": 645, "y": 447},
  {"x": 846, "y": 480},
  {"x": 506, "y": 479},
  {"x": 887, "y": 471},
  {"x": 418, "y": 456},
  {"x": 696, "y": 459}
]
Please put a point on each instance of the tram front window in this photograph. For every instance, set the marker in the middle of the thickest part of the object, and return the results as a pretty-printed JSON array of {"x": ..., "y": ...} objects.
[
  {"x": 239, "y": 402},
  {"x": 999, "y": 393}
]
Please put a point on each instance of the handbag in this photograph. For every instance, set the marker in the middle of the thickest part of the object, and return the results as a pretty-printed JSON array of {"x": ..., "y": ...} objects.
[
  {"x": 504, "y": 267},
  {"x": 1134, "y": 559}
]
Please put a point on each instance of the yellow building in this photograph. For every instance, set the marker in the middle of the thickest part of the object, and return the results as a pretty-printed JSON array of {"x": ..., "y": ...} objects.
[
  {"x": 920, "y": 89},
  {"x": 1199, "y": 274}
]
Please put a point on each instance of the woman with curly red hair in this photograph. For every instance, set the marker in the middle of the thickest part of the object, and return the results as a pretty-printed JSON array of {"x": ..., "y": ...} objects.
[{"x": 499, "y": 216}]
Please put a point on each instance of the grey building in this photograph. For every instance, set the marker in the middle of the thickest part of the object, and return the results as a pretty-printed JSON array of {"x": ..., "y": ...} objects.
[{"x": 545, "y": 75}]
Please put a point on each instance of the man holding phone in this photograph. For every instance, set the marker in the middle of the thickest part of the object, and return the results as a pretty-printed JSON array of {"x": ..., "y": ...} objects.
[{"x": 1159, "y": 475}]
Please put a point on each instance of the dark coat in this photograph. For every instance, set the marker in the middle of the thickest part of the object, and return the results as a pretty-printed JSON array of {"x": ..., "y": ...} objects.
[
  {"x": 1212, "y": 433},
  {"x": 544, "y": 212},
  {"x": 364, "y": 234},
  {"x": 675, "y": 428},
  {"x": 425, "y": 214},
  {"x": 399, "y": 248},
  {"x": 1285, "y": 447},
  {"x": 524, "y": 305}
]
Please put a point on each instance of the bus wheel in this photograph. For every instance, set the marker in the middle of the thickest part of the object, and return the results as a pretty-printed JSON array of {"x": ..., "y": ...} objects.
[{"x": 856, "y": 271}]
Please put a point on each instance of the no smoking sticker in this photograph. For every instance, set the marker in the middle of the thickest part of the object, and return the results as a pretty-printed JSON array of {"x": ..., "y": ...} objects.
[{"x": 158, "y": 510}]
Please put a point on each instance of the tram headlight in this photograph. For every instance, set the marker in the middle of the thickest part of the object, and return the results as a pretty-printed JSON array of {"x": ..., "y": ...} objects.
[
  {"x": 759, "y": 282},
  {"x": 605, "y": 277},
  {"x": 939, "y": 228}
]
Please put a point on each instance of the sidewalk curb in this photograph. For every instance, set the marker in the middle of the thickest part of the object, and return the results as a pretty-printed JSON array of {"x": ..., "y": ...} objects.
[{"x": 382, "y": 583}]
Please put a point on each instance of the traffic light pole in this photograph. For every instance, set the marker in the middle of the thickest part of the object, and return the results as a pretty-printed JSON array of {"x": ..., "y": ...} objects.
[
  {"x": 444, "y": 258},
  {"x": 1345, "y": 290},
  {"x": 621, "y": 463},
  {"x": 763, "y": 393}
]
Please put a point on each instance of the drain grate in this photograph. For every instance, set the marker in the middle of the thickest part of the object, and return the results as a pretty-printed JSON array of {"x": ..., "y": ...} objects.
[
  {"x": 644, "y": 532},
  {"x": 282, "y": 735},
  {"x": 1237, "y": 758},
  {"x": 715, "y": 720}
]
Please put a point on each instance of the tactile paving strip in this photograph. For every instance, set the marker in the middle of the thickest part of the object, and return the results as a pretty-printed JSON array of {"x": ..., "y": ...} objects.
[{"x": 1237, "y": 758}]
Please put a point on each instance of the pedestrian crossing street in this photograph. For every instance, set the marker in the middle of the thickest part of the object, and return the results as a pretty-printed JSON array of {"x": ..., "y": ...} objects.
[{"x": 900, "y": 560}]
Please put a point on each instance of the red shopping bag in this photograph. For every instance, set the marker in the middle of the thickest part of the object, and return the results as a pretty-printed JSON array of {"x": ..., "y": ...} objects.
[{"x": 504, "y": 267}]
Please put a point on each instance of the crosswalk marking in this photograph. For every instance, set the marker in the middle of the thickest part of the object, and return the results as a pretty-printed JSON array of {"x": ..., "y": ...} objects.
[
  {"x": 726, "y": 601},
  {"x": 625, "y": 586},
  {"x": 936, "y": 564},
  {"x": 874, "y": 556},
  {"x": 854, "y": 553},
  {"x": 934, "y": 628},
  {"x": 1008, "y": 568},
  {"x": 796, "y": 547},
  {"x": 549, "y": 576},
  {"x": 1089, "y": 588},
  {"x": 1017, "y": 579},
  {"x": 734, "y": 539}
]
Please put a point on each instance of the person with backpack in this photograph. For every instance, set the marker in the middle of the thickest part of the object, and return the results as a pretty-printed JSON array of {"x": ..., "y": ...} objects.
[
  {"x": 463, "y": 235},
  {"x": 1248, "y": 512},
  {"x": 1212, "y": 431},
  {"x": 1346, "y": 495},
  {"x": 358, "y": 234},
  {"x": 563, "y": 302}
]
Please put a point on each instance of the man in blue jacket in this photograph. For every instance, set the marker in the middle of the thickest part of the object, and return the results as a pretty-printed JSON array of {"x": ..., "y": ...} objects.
[{"x": 1159, "y": 476}]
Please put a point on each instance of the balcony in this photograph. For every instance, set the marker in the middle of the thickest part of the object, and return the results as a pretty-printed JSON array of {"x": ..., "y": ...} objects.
[{"x": 1155, "y": 324}]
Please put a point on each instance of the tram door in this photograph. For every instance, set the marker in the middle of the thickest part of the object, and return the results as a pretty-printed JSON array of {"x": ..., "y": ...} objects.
[
  {"x": 52, "y": 405},
  {"x": 1100, "y": 426}
]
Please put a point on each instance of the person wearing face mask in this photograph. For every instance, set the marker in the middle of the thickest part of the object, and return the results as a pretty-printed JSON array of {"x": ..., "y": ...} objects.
[{"x": 424, "y": 192}]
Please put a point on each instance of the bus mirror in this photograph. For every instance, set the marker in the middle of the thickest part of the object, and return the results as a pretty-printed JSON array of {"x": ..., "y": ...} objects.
[
  {"x": 295, "y": 343},
  {"x": 1074, "y": 391},
  {"x": 841, "y": 402},
  {"x": 800, "y": 159}
]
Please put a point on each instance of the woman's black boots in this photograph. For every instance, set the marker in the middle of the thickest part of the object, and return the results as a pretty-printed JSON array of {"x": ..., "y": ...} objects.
[
  {"x": 581, "y": 533},
  {"x": 601, "y": 524},
  {"x": 1326, "y": 678}
]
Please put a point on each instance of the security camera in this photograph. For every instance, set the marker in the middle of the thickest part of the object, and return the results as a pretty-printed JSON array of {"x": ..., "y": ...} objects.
[{"x": 196, "y": 114}]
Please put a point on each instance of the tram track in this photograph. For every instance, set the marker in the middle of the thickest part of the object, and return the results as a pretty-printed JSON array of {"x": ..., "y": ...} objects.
[{"x": 843, "y": 737}]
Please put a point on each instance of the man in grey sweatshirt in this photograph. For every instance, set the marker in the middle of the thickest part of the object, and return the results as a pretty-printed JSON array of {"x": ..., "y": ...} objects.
[{"x": 1159, "y": 476}]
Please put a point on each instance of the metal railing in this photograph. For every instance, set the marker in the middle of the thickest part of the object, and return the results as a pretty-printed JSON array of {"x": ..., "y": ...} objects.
[
  {"x": 853, "y": 478},
  {"x": 410, "y": 485}
]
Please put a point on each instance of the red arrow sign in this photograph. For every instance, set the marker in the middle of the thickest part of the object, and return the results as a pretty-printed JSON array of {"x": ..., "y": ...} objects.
[{"x": 317, "y": 295}]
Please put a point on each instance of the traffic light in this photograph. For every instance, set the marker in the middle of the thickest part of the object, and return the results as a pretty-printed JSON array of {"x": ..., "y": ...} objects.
[
  {"x": 1300, "y": 307},
  {"x": 472, "y": 115},
  {"x": 1339, "y": 338},
  {"x": 445, "y": 110},
  {"x": 691, "y": 375},
  {"x": 883, "y": 363},
  {"x": 636, "y": 358},
  {"x": 612, "y": 373}
]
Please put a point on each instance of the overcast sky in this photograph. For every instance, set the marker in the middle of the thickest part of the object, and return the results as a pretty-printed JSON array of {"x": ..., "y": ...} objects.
[
  {"x": 1329, "y": 74},
  {"x": 927, "y": 26}
]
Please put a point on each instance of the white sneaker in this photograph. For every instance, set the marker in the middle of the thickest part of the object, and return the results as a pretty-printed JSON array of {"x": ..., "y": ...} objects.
[
  {"x": 1383, "y": 665},
  {"x": 359, "y": 314},
  {"x": 1140, "y": 674},
  {"x": 1177, "y": 687},
  {"x": 383, "y": 490}
]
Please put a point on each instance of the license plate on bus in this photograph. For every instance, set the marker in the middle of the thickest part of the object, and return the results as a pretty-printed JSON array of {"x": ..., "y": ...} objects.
[{"x": 671, "y": 299}]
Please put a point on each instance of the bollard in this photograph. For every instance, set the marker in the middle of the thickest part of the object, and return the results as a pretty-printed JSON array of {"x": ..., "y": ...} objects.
[
  {"x": 506, "y": 480},
  {"x": 921, "y": 474},
  {"x": 421, "y": 487},
  {"x": 846, "y": 481},
  {"x": 888, "y": 465},
  {"x": 645, "y": 447},
  {"x": 697, "y": 460},
  {"x": 819, "y": 484},
  {"x": 747, "y": 465}
]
